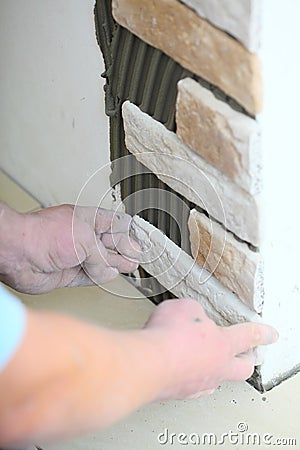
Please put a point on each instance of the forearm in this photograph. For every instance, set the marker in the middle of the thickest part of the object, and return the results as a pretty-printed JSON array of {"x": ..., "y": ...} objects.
[{"x": 69, "y": 377}]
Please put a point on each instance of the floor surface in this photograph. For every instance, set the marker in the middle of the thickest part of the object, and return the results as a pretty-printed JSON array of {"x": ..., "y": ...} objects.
[{"x": 235, "y": 416}]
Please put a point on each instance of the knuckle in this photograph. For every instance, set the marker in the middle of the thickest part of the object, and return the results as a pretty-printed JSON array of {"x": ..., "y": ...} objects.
[{"x": 226, "y": 348}]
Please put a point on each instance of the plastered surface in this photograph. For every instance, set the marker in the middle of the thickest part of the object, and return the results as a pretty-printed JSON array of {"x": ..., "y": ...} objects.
[{"x": 53, "y": 127}]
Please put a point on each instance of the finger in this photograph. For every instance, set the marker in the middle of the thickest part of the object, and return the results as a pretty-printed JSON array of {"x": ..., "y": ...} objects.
[
  {"x": 108, "y": 274},
  {"x": 97, "y": 266},
  {"x": 245, "y": 336},
  {"x": 122, "y": 264},
  {"x": 107, "y": 221},
  {"x": 241, "y": 368},
  {"x": 100, "y": 275},
  {"x": 122, "y": 243},
  {"x": 76, "y": 278}
]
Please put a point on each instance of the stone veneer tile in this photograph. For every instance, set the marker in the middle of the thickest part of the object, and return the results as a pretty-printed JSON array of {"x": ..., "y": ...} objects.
[
  {"x": 179, "y": 274},
  {"x": 241, "y": 19},
  {"x": 195, "y": 44},
  {"x": 224, "y": 137},
  {"x": 189, "y": 174},
  {"x": 236, "y": 266}
]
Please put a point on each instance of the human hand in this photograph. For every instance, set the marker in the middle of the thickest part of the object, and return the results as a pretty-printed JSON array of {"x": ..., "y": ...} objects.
[
  {"x": 199, "y": 355},
  {"x": 71, "y": 246}
]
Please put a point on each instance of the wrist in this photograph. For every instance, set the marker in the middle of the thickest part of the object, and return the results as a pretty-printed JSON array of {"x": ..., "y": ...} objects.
[
  {"x": 154, "y": 376},
  {"x": 12, "y": 252},
  {"x": 137, "y": 368}
]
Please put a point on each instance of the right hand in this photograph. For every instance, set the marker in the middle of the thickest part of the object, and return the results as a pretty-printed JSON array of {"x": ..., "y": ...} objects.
[
  {"x": 201, "y": 355},
  {"x": 65, "y": 246}
]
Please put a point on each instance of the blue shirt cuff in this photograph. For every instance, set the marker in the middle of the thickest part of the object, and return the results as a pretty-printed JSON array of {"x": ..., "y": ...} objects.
[{"x": 12, "y": 325}]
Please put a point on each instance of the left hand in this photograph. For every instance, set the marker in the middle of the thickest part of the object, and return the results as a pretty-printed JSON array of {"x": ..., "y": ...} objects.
[{"x": 71, "y": 246}]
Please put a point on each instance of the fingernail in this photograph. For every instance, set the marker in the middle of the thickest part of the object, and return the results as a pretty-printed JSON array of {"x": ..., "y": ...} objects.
[
  {"x": 266, "y": 335},
  {"x": 273, "y": 335},
  {"x": 276, "y": 335}
]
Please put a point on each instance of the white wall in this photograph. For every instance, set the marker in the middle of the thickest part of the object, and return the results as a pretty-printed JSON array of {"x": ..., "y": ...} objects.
[
  {"x": 53, "y": 130},
  {"x": 281, "y": 145}
]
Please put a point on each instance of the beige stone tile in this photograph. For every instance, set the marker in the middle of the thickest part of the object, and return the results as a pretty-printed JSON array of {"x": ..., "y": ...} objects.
[
  {"x": 196, "y": 45},
  {"x": 227, "y": 139},
  {"x": 229, "y": 260},
  {"x": 15, "y": 196}
]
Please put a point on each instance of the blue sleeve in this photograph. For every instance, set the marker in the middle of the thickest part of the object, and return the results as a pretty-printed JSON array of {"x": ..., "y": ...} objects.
[{"x": 12, "y": 325}]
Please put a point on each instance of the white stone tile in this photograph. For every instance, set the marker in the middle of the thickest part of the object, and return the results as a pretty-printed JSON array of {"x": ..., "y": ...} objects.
[
  {"x": 241, "y": 18},
  {"x": 189, "y": 174}
]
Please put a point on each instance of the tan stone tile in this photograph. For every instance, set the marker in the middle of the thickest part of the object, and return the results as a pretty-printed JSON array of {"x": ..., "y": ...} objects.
[
  {"x": 224, "y": 137},
  {"x": 231, "y": 262}
]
